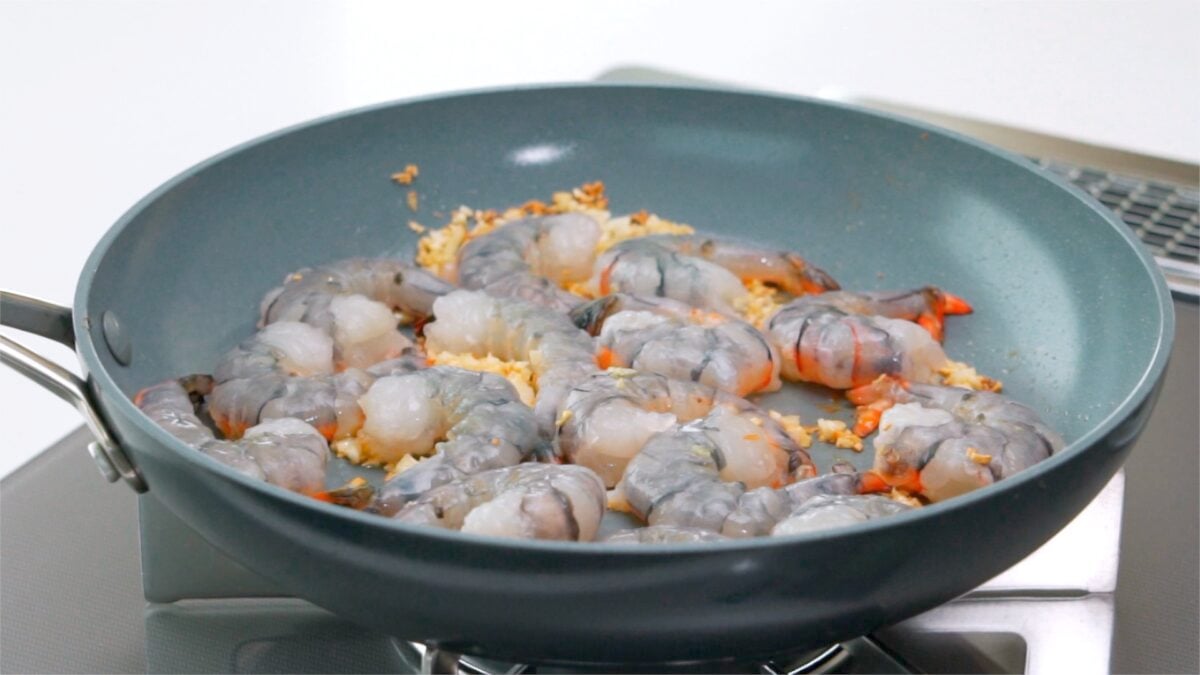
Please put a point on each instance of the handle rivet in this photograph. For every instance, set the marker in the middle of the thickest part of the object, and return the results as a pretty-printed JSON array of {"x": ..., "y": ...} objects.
[
  {"x": 115, "y": 338},
  {"x": 107, "y": 470}
]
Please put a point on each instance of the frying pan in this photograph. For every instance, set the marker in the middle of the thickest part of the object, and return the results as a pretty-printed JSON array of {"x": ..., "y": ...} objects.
[{"x": 1070, "y": 313}]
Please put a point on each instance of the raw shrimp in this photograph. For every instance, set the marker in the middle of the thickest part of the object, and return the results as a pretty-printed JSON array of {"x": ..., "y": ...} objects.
[
  {"x": 284, "y": 451},
  {"x": 827, "y": 339},
  {"x": 825, "y": 512},
  {"x": 306, "y": 295},
  {"x": 560, "y": 354},
  {"x": 532, "y": 259},
  {"x": 665, "y": 336},
  {"x": 474, "y": 422},
  {"x": 758, "y": 511},
  {"x": 606, "y": 419},
  {"x": 694, "y": 475},
  {"x": 286, "y": 370},
  {"x": 527, "y": 501},
  {"x": 663, "y": 534},
  {"x": 702, "y": 271},
  {"x": 942, "y": 441}
]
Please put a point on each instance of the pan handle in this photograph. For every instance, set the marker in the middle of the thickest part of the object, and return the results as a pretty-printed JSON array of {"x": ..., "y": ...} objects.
[{"x": 54, "y": 322}]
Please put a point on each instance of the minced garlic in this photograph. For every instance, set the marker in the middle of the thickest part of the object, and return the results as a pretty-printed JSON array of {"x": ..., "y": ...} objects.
[
  {"x": 404, "y": 464},
  {"x": 792, "y": 427},
  {"x": 959, "y": 374},
  {"x": 978, "y": 457},
  {"x": 760, "y": 302},
  {"x": 835, "y": 432},
  {"x": 519, "y": 373},
  {"x": 640, "y": 224},
  {"x": 406, "y": 176}
]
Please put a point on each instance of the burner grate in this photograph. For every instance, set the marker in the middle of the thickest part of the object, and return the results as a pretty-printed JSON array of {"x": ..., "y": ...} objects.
[{"x": 1165, "y": 216}]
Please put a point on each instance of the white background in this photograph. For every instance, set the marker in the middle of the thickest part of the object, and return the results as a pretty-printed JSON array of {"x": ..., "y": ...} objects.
[{"x": 101, "y": 101}]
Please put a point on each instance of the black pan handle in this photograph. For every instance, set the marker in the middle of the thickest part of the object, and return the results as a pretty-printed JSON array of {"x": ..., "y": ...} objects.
[{"x": 54, "y": 322}]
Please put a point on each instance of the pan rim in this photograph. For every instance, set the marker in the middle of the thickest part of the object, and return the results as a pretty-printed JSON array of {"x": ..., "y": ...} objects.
[{"x": 1152, "y": 374}]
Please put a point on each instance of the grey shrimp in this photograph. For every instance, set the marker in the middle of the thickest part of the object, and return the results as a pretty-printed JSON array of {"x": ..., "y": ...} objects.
[
  {"x": 845, "y": 340},
  {"x": 702, "y": 271},
  {"x": 694, "y": 475},
  {"x": 559, "y": 353},
  {"x": 527, "y": 501},
  {"x": 286, "y": 451},
  {"x": 665, "y": 336},
  {"x": 472, "y": 422},
  {"x": 286, "y": 370},
  {"x": 532, "y": 259},
  {"x": 606, "y": 419},
  {"x": 941, "y": 442}
]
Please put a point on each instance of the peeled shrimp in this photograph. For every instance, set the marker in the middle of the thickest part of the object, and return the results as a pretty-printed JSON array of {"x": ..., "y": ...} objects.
[
  {"x": 845, "y": 340},
  {"x": 532, "y": 259},
  {"x": 944, "y": 441},
  {"x": 474, "y": 422},
  {"x": 606, "y": 419},
  {"x": 286, "y": 370},
  {"x": 559, "y": 353},
  {"x": 702, "y": 271},
  {"x": 694, "y": 475},
  {"x": 663, "y": 534},
  {"x": 665, "y": 336},
  {"x": 526, "y": 501},
  {"x": 825, "y": 512},
  {"x": 286, "y": 451},
  {"x": 306, "y": 295}
]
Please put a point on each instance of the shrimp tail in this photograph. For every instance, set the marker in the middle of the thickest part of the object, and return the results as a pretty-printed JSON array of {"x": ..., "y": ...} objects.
[
  {"x": 812, "y": 279},
  {"x": 873, "y": 399},
  {"x": 591, "y": 316},
  {"x": 356, "y": 494},
  {"x": 941, "y": 304}
]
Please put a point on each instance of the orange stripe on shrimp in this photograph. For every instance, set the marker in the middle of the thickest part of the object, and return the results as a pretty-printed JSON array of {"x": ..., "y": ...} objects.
[{"x": 605, "y": 358}]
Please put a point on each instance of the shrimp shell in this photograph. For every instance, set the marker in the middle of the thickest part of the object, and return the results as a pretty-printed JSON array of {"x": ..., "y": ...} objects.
[
  {"x": 286, "y": 452},
  {"x": 479, "y": 418},
  {"x": 306, "y": 294},
  {"x": 532, "y": 258},
  {"x": 260, "y": 380},
  {"x": 606, "y": 419},
  {"x": 663, "y": 534},
  {"x": 527, "y": 501},
  {"x": 695, "y": 475},
  {"x": 944, "y": 441},
  {"x": 820, "y": 342},
  {"x": 664, "y": 336},
  {"x": 476, "y": 323}
]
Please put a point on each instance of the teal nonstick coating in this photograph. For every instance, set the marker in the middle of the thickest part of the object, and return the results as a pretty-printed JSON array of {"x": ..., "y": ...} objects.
[{"x": 1070, "y": 313}]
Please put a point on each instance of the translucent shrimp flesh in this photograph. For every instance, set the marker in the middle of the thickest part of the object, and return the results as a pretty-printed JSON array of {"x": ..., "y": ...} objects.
[
  {"x": 285, "y": 451},
  {"x": 559, "y": 353},
  {"x": 307, "y": 295},
  {"x": 702, "y": 271},
  {"x": 532, "y": 259},
  {"x": 941, "y": 442},
  {"x": 826, "y": 512},
  {"x": 472, "y": 422},
  {"x": 694, "y": 475},
  {"x": 606, "y": 419},
  {"x": 845, "y": 340},
  {"x": 526, "y": 501},
  {"x": 665, "y": 336},
  {"x": 287, "y": 370},
  {"x": 663, "y": 534}
]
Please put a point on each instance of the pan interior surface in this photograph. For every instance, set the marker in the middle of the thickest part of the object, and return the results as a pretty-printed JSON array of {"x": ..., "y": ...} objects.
[{"x": 1061, "y": 311}]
